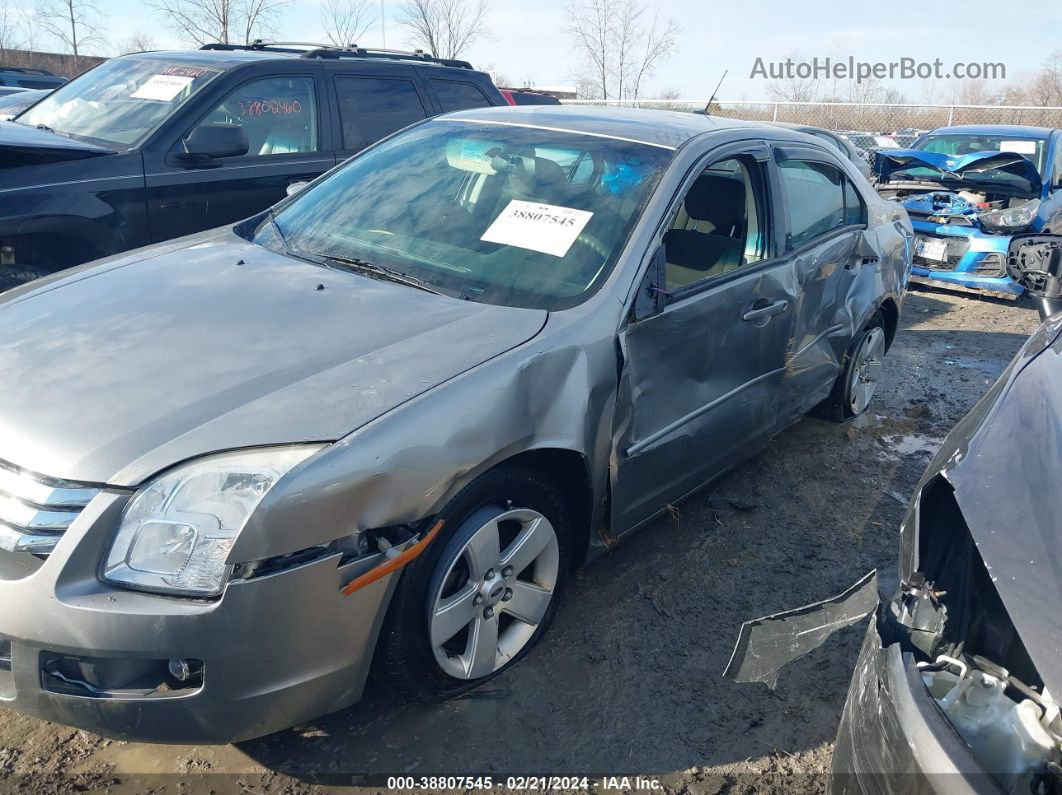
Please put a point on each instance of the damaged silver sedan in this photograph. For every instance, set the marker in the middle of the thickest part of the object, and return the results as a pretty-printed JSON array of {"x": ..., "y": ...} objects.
[{"x": 378, "y": 425}]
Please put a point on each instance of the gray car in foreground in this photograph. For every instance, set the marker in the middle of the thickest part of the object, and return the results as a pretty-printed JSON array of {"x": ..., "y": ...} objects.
[{"x": 381, "y": 423}]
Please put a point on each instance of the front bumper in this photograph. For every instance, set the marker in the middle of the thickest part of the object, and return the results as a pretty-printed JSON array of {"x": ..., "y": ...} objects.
[
  {"x": 893, "y": 737},
  {"x": 276, "y": 651},
  {"x": 976, "y": 261}
]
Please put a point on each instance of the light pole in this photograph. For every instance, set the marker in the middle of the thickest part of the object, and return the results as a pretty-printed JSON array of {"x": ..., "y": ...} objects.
[{"x": 383, "y": 25}]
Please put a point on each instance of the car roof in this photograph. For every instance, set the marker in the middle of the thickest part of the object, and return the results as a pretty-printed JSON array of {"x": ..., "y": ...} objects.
[
  {"x": 996, "y": 129},
  {"x": 665, "y": 128}
]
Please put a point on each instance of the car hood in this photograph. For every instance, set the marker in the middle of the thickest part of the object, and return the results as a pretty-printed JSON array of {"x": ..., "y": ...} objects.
[
  {"x": 1004, "y": 461},
  {"x": 21, "y": 145},
  {"x": 974, "y": 169},
  {"x": 116, "y": 371}
]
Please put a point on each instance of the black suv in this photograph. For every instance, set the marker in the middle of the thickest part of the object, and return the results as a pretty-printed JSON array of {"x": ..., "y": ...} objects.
[
  {"x": 16, "y": 78},
  {"x": 151, "y": 146}
]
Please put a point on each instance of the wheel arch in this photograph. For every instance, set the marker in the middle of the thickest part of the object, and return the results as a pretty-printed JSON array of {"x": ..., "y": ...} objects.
[
  {"x": 570, "y": 471},
  {"x": 890, "y": 314},
  {"x": 57, "y": 241}
]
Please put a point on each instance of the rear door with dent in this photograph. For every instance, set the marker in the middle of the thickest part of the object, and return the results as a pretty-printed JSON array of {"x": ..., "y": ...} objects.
[{"x": 825, "y": 218}]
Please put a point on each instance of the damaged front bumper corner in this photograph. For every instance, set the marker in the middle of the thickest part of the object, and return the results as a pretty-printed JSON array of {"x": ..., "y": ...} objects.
[{"x": 893, "y": 737}]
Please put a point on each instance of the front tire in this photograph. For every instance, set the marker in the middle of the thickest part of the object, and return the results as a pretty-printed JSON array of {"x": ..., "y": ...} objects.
[
  {"x": 857, "y": 383},
  {"x": 484, "y": 592}
]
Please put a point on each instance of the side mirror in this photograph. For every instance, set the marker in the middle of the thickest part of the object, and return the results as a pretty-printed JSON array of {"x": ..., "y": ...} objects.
[
  {"x": 210, "y": 141},
  {"x": 295, "y": 187},
  {"x": 652, "y": 294}
]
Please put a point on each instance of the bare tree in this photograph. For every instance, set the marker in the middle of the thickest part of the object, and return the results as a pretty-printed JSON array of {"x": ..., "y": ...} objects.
[
  {"x": 791, "y": 87},
  {"x": 620, "y": 43},
  {"x": 224, "y": 21},
  {"x": 73, "y": 23},
  {"x": 445, "y": 28},
  {"x": 11, "y": 37},
  {"x": 137, "y": 42},
  {"x": 592, "y": 33},
  {"x": 346, "y": 21}
]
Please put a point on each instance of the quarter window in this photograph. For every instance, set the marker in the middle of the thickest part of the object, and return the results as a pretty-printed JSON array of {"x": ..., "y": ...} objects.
[
  {"x": 278, "y": 115},
  {"x": 371, "y": 108},
  {"x": 718, "y": 227},
  {"x": 820, "y": 199},
  {"x": 458, "y": 96}
]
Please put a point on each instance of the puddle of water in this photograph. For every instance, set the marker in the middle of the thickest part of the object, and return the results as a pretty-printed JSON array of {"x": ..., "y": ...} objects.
[{"x": 911, "y": 444}]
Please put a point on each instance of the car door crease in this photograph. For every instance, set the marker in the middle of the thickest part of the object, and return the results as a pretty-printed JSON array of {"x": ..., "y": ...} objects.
[{"x": 648, "y": 441}]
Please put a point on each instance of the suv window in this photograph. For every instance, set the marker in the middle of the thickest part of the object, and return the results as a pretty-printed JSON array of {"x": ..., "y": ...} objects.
[
  {"x": 278, "y": 115},
  {"x": 458, "y": 96},
  {"x": 718, "y": 227},
  {"x": 820, "y": 199},
  {"x": 371, "y": 108}
]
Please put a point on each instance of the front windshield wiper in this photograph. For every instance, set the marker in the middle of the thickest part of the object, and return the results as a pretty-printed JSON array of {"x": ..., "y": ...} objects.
[
  {"x": 272, "y": 215},
  {"x": 45, "y": 127},
  {"x": 377, "y": 271}
]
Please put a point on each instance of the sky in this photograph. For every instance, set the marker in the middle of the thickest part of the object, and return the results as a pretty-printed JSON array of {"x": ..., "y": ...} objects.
[{"x": 715, "y": 36}]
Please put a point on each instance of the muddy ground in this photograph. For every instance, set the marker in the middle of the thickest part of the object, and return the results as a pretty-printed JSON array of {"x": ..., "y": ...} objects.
[{"x": 628, "y": 681}]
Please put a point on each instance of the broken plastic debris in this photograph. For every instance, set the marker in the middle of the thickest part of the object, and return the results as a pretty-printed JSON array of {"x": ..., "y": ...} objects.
[{"x": 766, "y": 645}]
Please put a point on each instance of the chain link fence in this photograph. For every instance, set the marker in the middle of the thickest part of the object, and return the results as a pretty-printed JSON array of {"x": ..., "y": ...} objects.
[{"x": 876, "y": 119}]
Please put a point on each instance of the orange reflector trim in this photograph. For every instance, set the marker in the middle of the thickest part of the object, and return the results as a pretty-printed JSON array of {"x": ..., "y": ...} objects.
[{"x": 397, "y": 562}]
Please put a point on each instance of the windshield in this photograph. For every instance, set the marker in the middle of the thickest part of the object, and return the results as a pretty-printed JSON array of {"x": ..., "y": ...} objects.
[
  {"x": 495, "y": 213},
  {"x": 966, "y": 143},
  {"x": 120, "y": 102}
]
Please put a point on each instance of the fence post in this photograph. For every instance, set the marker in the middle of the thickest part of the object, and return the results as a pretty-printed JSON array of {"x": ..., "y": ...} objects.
[
  {"x": 951, "y": 115},
  {"x": 775, "y": 112}
]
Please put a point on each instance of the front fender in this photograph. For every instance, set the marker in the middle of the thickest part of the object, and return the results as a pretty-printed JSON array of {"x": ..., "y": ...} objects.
[{"x": 408, "y": 464}]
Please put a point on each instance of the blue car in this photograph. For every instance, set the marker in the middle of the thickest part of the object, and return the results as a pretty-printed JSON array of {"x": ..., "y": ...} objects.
[{"x": 968, "y": 190}]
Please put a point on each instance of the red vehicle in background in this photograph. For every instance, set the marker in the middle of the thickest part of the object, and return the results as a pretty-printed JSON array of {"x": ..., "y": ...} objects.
[{"x": 522, "y": 96}]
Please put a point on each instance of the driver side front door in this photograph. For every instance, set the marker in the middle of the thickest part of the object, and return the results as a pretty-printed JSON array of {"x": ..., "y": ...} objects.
[{"x": 701, "y": 379}]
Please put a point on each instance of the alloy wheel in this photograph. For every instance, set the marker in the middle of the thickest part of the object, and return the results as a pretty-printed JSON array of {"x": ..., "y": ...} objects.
[
  {"x": 866, "y": 370},
  {"x": 494, "y": 593}
]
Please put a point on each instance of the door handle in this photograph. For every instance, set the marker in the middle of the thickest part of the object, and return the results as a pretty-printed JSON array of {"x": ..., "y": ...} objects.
[{"x": 765, "y": 312}]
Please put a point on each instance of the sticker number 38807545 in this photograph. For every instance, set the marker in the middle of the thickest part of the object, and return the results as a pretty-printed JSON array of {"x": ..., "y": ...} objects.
[{"x": 547, "y": 228}]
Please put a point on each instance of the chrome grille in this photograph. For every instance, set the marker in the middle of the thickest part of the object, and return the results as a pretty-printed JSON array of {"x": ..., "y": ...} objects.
[{"x": 36, "y": 510}]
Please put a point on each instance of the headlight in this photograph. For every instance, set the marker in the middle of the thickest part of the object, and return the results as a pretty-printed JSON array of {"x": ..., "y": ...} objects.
[
  {"x": 177, "y": 531},
  {"x": 1011, "y": 218}
]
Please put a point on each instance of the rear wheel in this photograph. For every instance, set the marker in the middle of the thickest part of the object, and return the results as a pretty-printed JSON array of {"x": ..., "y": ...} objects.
[
  {"x": 857, "y": 383},
  {"x": 484, "y": 592}
]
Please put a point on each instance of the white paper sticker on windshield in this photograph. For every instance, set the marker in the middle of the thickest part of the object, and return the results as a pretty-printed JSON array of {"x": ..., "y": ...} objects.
[
  {"x": 1018, "y": 147},
  {"x": 162, "y": 87},
  {"x": 538, "y": 227},
  {"x": 885, "y": 142}
]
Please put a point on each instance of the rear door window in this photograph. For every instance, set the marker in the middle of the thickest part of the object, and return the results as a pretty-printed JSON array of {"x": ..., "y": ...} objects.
[
  {"x": 371, "y": 108},
  {"x": 458, "y": 96},
  {"x": 816, "y": 198}
]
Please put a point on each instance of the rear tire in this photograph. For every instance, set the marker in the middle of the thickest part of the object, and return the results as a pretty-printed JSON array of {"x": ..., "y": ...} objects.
[
  {"x": 857, "y": 383},
  {"x": 452, "y": 623}
]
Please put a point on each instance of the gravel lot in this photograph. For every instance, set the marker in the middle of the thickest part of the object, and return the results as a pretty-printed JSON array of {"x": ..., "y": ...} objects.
[{"x": 628, "y": 681}]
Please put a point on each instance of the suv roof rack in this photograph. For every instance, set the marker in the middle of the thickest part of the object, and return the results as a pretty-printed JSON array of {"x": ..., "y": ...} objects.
[
  {"x": 25, "y": 70},
  {"x": 307, "y": 49}
]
